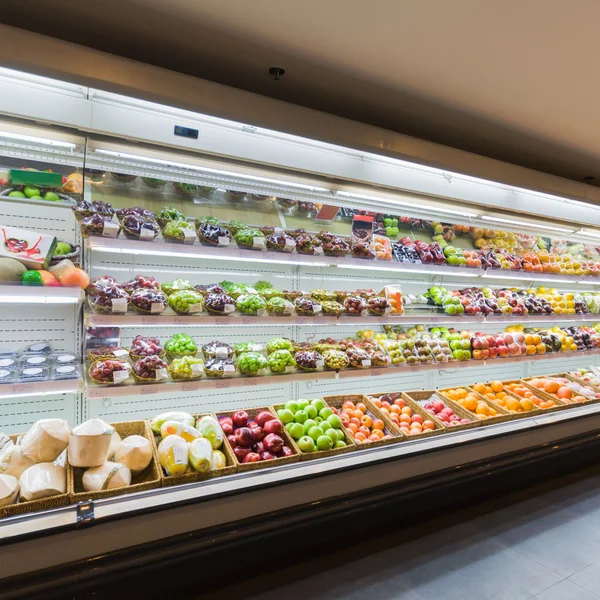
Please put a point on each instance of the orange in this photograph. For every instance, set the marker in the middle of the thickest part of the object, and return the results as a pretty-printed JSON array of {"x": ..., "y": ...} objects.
[
  {"x": 512, "y": 404},
  {"x": 480, "y": 387},
  {"x": 526, "y": 404},
  {"x": 407, "y": 410},
  {"x": 496, "y": 386},
  {"x": 551, "y": 386},
  {"x": 404, "y": 418},
  {"x": 564, "y": 392},
  {"x": 378, "y": 424},
  {"x": 470, "y": 403}
]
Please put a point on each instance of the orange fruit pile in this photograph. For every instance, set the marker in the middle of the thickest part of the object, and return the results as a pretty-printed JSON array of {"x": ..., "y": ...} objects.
[
  {"x": 470, "y": 401},
  {"x": 402, "y": 415},
  {"x": 362, "y": 426},
  {"x": 496, "y": 391},
  {"x": 557, "y": 389},
  {"x": 528, "y": 400}
]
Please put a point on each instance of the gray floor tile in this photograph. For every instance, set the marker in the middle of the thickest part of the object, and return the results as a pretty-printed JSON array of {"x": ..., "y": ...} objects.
[
  {"x": 560, "y": 538},
  {"x": 588, "y": 578},
  {"x": 565, "y": 590}
]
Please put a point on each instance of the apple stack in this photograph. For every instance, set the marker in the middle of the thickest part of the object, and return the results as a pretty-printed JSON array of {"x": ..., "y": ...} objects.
[{"x": 257, "y": 438}]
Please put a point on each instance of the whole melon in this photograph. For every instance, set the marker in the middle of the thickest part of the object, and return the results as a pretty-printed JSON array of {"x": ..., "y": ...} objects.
[{"x": 11, "y": 270}]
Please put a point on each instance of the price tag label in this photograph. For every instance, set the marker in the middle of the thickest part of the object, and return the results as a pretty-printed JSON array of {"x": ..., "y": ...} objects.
[
  {"x": 195, "y": 308},
  {"x": 317, "y": 308},
  {"x": 120, "y": 376},
  {"x": 229, "y": 368},
  {"x": 250, "y": 382},
  {"x": 110, "y": 229},
  {"x": 289, "y": 246},
  {"x": 228, "y": 308},
  {"x": 157, "y": 307},
  {"x": 288, "y": 309},
  {"x": 188, "y": 387},
  {"x": 147, "y": 389},
  {"x": 120, "y": 352},
  {"x": 222, "y": 353},
  {"x": 161, "y": 374},
  {"x": 197, "y": 369},
  {"x": 180, "y": 320},
  {"x": 366, "y": 362},
  {"x": 223, "y": 240},
  {"x": 388, "y": 310},
  {"x": 320, "y": 363},
  {"x": 180, "y": 454},
  {"x": 189, "y": 235},
  {"x": 290, "y": 369},
  {"x": 258, "y": 243},
  {"x": 318, "y": 251},
  {"x": 261, "y": 312},
  {"x": 119, "y": 305},
  {"x": 146, "y": 234},
  {"x": 222, "y": 385},
  {"x": 376, "y": 373}
]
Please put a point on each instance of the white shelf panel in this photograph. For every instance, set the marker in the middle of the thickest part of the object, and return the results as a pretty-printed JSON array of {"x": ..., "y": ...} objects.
[
  {"x": 40, "y": 388},
  {"x": 26, "y": 294}
]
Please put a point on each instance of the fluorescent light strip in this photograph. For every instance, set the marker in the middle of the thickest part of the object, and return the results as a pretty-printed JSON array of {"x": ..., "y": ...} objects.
[
  {"x": 47, "y": 393},
  {"x": 209, "y": 170},
  {"x": 446, "y": 272},
  {"x": 525, "y": 224},
  {"x": 586, "y": 233},
  {"x": 399, "y": 203},
  {"x": 37, "y": 140},
  {"x": 16, "y": 299}
]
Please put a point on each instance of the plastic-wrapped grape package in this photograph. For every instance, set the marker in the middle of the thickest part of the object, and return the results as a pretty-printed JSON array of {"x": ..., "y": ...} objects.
[
  {"x": 243, "y": 347},
  {"x": 269, "y": 293},
  {"x": 309, "y": 244},
  {"x": 186, "y": 302},
  {"x": 149, "y": 302},
  {"x": 139, "y": 228},
  {"x": 109, "y": 300},
  {"x": 358, "y": 358},
  {"x": 281, "y": 361},
  {"x": 363, "y": 249},
  {"x": 181, "y": 344},
  {"x": 253, "y": 239},
  {"x": 140, "y": 282},
  {"x": 331, "y": 307},
  {"x": 380, "y": 359},
  {"x": 110, "y": 371},
  {"x": 281, "y": 242},
  {"x": 168, "y": 214},
  {"x": 219, "y": 304},
  {"x": 252, "y": 364},
  {"x": 217, "y": 349},
  {"x": 279, "y": 344},
  {"x": 98, "y": 225},
  {"x": 308, "y": 360},
  {"x": 211, "y": 234},
  {"x": 319, "y": 295},
  {"x": 307, "y": 307},
  {"x": 379, "y": 306},
  {"x": 150, "y": 370},
  {"x": 335, "y": 359},
  {"x": 176, "y": 285},
  {"x": 355, "y": 306},
  {"x": 235, "y": 226},
  {"x": 141, "y": 347},
  {"x": 210, "y": 288},
  {"x": 335, "y": 246},
  {"x": 280, "y": 306},
  {"x": 219, "y": 367},
  {"x": 179, "y": 232},
  {"x": 186, "y": 367},
  {"x": 252, "y": 304}
]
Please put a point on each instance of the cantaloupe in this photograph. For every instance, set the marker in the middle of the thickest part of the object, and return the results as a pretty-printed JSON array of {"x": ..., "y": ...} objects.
[{"x": 11, "y": 270}]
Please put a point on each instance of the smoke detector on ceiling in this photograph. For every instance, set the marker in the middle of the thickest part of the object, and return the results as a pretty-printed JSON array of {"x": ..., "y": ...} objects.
[{"x": 277, "y": 72}]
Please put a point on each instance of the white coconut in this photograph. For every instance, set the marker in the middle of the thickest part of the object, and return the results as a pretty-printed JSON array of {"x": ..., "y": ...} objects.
[
  {"x": 46, "y": 440},
  {"x": 135, "y": 452},
  {"x": 9, "y": 490},
  {"x": 42, "y": 481},
  {"x": 108, "y": 476},
  {"x": 115, "y": 440},
  {"x": 12, "y": 460},
  {"x": 89, "y": 443}
]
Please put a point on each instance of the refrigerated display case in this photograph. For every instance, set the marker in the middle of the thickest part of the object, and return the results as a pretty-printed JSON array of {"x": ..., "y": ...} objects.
[{"x": 236, "y": 269}]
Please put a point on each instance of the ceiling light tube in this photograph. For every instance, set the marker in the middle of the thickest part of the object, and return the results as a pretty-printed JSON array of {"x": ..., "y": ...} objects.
[
  {"x": 524, "y": 224},
  {"x": 37, "y": 140},
  {"x": 589, "y": 233},
  {"x": 168, "y": 163}
]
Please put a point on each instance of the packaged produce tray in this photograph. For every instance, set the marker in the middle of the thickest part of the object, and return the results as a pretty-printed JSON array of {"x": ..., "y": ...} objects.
[
  {"x": 350, "y": 444},
  {"x": 421, "y": 396},
  {"x": 416, "y": 409},
  {"x": 372, "y": 411},
  {"x": 148, "y": 479},
  {"x": 560, "y": 404},
  {"x": 263, "y": 464},
  {"x": 193, "y": 476},
  {"x": 502, "y": 416},
  {"x": 22, "y": 508},
  {"x": 594, "y": 386}
]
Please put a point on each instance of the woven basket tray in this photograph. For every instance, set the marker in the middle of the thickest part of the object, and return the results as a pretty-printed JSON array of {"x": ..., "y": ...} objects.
[
  {"x": 594, "y": 386},
  {"x": 148, "y": 479},
  {"x": 263, "y": 464},
  {"x": 350, "y": 445},
  {"x": 195, "y": 476},
  {"x": 372, "y": 411},
  {"x": 458, "y": 410},
  {"x": 22, "y": 508},
  {"x": 503, "y": 414},
  {"x": 417, "y": 409},
  {"x": 560, "y": 404}
]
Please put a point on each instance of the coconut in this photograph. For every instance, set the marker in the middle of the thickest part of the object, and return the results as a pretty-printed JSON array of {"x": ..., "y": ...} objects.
[
  {"x": 135, "y": 452},
  {"x": 42, "y": 481},
  {"x": 9, "y": 490},
  {"x": 108, "y": 476},
  {"x": 12, "y": 460},
  {"x": 89, "y": 443},
  {"x": 115, "y": 440},
  {"x": 46, "y": 440}
]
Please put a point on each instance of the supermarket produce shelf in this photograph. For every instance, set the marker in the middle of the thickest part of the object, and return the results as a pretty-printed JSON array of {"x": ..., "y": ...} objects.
[
  {"x": 95, "y": 391},
  {"x": 158, "y": 248},
  {"x": 459, "y": 447},
  {"x": 425, "y": 318},
  {"x": 40, "y": 388},
  {"x": 24, "y": 294}
]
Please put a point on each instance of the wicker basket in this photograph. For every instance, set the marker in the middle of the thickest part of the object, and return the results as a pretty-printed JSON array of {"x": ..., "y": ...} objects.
[
  {"x": 263, "y": 464},
  {"x": 74, "y": 256},
  {"x": 503, "y": 414},
  {"x": 535, "y": 411},
  {"x": 145, "y": 380},
  {"x": 148, "y": 479},
  {"x": 372, "y": 411},
  {"x": 419, "y": 396},
  {"x": 96, "y": 357},
  {"x": 195, "y": 476},
  {"x": 560, "y": 405},
  {"x": 350, "y": 445},
  {"x": 595, "y": 387},
  {"x": 136, "y": 357},
  {"x": 97, "y": 381},
  {"x": 417, "y": 409},
  {"x": 22, "y": 508}
]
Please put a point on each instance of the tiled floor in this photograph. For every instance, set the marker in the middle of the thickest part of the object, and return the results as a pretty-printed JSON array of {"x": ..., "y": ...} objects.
[{"x": 542, "y": 544}]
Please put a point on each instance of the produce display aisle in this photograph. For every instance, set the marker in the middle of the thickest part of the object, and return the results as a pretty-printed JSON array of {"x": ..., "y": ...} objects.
[{"x": 141, "y": 286}]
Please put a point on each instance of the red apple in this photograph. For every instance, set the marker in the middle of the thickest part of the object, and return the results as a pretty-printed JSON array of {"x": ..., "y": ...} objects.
[
  {"x": 259, "y": 448},
  {"x": 232, "y": 440},
  {"x": 262, "y": 417},
  {"x": 267, "y": 456},
  {"x": 447, "y": 411},
  {"x": 227, "y": 427},
  {"x": 514, "y": 350},
  {"x": 257, "y": 433},
  {"x": 240, "y": 418},
  {"x": 241, "y": 452},
  {"x": 493, "y": 352},
  {"x": 251, "y": 457},
  {"x": 273, "y": 443},
  {"x": 443, "y": 417},
  {"x": 286, "y": 451},
  {"x": 273, "y": 426},
  {"x": 244, "y": 436}
]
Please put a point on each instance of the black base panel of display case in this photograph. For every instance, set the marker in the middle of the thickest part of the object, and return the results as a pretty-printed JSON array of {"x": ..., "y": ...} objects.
[{"x": 191, "y": 565}]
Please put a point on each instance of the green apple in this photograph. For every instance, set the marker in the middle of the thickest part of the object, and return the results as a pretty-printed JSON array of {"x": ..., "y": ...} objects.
[
  {"x": 36, "y": 198},
  {"x": 340, "y": 444},
  {"x": 340, "y": 435},
  {"x": 324, "y": 442},
  {"x": 466, "y": 354},
  {"x": 453, "y": 260},
  {"x": 334, "y": 421},
  {"x": 318, "y": 404},
  {"x": 315, "y": 432},
  {"x": 311, "y": 411},
  {"x": 460, "y": 309},
  {"x": 51, "y": 197},
  {"x": 31, "y": 191},
  {"x": 302, "y": 404},
  {"x": 16, "y": 194},
  {"x": 285, "y": 415},
  {"x": 300, "y": 416},
  {"x": 325, "y": 412},
  {"x": 289, "y": 425},
  {"x": 308, "y": 424},
  {"x": 332, "y": 433},
  {"x": 319, "y": 420},
  {"x": 450, "y": 309},
  {"x": 296, "y": 430},
  {"x": 306, "y": 444},
  {"x": 62, "y": 248},
  {"x": 291, "y": 405}
]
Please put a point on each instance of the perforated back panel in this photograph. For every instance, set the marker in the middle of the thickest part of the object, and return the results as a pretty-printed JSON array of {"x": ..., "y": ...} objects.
[{"x": 19, "y": 413}]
